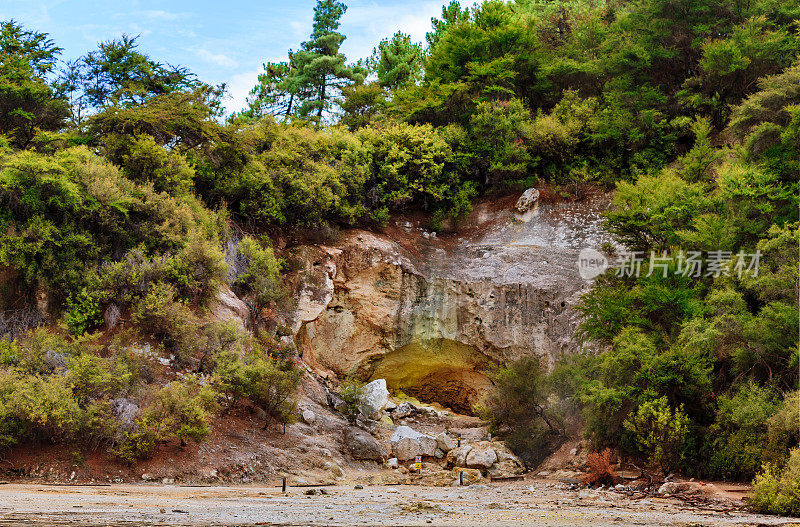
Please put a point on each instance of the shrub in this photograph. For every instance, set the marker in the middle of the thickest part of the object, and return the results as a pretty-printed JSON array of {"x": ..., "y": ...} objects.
[
  {"x": 351, "y": 391},
  {"x": 145, "y": 161},
  {"x": 197, "y": 270},
  {"x": 777, "y": 491},
  {"x": 183, "y": 409},
  {"x": 518, "y": 409},
  {"x": 268, "y": 383},
  {"x": 159, "y": 314},
  {"x": 599, "y": 468},
  {"x": 660, "y": 432},
  {"x": 272, "y": 387},
  {"x": 738, "y": 436},
  {"x": 260, "y": 283}
]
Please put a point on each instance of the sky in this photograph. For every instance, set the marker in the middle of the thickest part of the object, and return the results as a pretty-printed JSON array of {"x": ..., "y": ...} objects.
[{"x": 219, "y": 40}]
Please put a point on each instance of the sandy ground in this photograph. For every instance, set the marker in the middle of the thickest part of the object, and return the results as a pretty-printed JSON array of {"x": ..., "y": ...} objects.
[{"x": 496, "y": 504}]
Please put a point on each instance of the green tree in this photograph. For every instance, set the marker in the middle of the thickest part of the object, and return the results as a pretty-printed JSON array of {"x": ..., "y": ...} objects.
[
  {"x": 398, "y": 61},
  {"x": 28, "y": 103},
  {"x": 319, "y": 71}
]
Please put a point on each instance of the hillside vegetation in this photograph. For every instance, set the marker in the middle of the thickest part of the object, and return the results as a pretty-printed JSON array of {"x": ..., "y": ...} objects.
[{"x": 121, "y": 182}]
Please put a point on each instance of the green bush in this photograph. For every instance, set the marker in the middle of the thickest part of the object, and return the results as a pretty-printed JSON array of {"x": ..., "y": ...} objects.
[
  {"x": 159, "y": 314},
  {"x": 520, "y": 410},
  {"x": 351, "y": 391},
  {"x": 145, "y": 161},
  {"x": 777, "y": 491},
  {"x": 268, "y": 383},
  {"x": 260, "y": 283},
  {"x": 738, "y": 436},
  {"x": 660, "y": 432}
]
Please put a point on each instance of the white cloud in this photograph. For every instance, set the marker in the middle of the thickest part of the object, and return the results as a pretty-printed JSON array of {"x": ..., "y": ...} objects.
[
  {"x": 218, "y": 59},
  {"x": 369, "y": 23},
  {"x": 238, "y": 89},
  {"x": 157, "y": 14}
]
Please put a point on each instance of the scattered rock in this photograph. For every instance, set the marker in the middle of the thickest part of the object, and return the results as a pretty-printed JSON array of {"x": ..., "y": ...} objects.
[
  {"x": 308, "y": 417},
  {"x": 375, "y": 397}
]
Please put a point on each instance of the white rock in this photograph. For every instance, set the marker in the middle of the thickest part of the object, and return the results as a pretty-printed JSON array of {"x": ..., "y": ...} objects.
[
  {"x": 445, "y": 442},
  {"x": 481, "y": 456},
  {"x": 392, "y": 463},
  {"x": 390, "y": 406},
  {"x": 308, "y": 417},
  {"x": 228, "y": 307},
  {"x": 375, "y": 397},
  {"x": 404, "y": 409},
  {"x": 407, "y": 443}
]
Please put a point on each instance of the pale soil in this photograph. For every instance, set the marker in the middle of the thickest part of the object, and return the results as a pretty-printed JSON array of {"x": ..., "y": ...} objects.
[{"x": 538, "y": 502}]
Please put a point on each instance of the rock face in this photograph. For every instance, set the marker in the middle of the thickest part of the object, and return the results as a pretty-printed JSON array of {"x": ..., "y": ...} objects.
[
  {"x": 407, "y": 443},
  {"x": 430, "y": 319},
  {"x": 375, "y": 397},
  {"x": 229, "y": 307}
]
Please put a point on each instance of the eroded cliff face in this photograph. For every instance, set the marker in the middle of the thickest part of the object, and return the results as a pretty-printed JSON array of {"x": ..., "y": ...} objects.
[{"x": 429, "y": 315}]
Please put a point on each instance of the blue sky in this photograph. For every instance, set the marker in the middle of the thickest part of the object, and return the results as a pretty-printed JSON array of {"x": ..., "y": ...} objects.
[{"x": 220, "y": 40}]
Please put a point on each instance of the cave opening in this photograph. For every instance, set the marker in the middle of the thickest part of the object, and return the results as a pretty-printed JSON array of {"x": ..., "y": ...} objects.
[{"x": 440, "y": 371}]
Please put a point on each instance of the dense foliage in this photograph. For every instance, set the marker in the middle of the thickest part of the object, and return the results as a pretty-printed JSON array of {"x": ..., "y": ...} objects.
[{"x": 121, "y": 185}]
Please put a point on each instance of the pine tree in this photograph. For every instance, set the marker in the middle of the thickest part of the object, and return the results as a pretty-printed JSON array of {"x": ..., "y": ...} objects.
[
  {"x": 398, "y": 61},
  {"x": 319, "y": 69},
  {"x": 310, "y": 82}
]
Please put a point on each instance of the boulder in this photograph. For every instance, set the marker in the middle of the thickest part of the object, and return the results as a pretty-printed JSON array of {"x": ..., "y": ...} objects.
[
  {"x": 481, "y": 456},
  {"x": 407, "y": 443},
  {"x": 363, "y": 446},
  {"x": 308, "y": 417},
  {"x": 457, "y": 457},
  {"x": 686, "y": 487},
  {"x": 390, "y": 406},
  {"x": 375, "y": 397},
  {"x": 445, "y": 442},
  {"x": 527, "y": 200},
  {"x": 392, "y": 463},
  {"x": 404, "y": 409}
]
